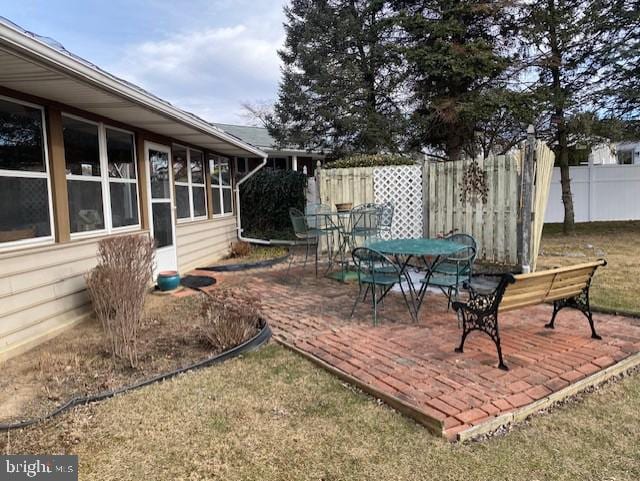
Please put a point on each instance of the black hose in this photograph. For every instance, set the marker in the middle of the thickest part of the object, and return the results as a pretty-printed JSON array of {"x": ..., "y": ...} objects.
[{"x": 259, "y": 339}]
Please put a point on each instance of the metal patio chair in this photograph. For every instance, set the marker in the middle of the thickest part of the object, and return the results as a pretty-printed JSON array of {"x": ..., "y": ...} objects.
[
  {"x": 306, "y": 237},
  {"x": 376, "y": 271},
  {"x": 363, "y": 224},
  {"x": 451, "y": 272}
]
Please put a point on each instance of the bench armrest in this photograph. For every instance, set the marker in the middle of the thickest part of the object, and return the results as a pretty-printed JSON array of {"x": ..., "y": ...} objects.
[
  {"x": 477, "y": 303},
  {"x": 483, "y": 303}
]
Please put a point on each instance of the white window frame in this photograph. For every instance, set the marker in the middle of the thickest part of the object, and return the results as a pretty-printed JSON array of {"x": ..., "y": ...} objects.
[
  {"x": 217, "y": 160},
  {"x": 190, "y": 185},
  {"x": 104, "y": 180},
  {"x": 50, "y": 239},
  {"x": 117, "y": 180}
]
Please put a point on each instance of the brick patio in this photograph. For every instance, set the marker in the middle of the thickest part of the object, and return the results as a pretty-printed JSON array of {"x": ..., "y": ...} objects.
[{"x": 413, "y": 367}]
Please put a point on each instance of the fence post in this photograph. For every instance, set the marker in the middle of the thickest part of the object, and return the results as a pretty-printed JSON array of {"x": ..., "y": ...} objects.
[
  {"x": 425, "y": 197},
  {"x": 528, "y": 165}
]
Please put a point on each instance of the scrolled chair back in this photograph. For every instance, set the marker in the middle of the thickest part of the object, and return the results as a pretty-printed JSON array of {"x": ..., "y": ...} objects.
[
  {"x": 370, "y": 262},
  {"x": 299, "y": 223},
  {"x": 363, "y": 220}
]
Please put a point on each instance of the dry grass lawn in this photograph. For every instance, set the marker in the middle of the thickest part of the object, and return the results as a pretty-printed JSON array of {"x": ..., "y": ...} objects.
[
  {"x": 274, "y": 416},
  {"x": 616, "y": 286}
]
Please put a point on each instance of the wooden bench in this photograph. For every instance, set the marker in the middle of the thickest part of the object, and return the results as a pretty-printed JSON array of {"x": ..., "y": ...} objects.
[{"x": 564, "y": 286}]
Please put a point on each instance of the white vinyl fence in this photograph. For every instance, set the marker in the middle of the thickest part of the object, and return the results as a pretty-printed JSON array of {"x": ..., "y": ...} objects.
[{"x": 600, "y": 193}]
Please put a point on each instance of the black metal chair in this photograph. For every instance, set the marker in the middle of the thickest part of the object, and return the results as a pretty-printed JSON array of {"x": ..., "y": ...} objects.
[{"x": 375, "y": 270}]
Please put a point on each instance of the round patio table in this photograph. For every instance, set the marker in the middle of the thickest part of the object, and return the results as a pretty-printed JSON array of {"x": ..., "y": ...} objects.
[
  {"x": 429, "y": 251},
  {"x": 334, "y": 222}
]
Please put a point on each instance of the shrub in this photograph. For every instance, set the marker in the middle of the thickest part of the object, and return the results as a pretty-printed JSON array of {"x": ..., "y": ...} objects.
[
  {"x": 369, "y": 160},
  {"x": 117, "y": 287},
  {"x": 240, "y": 249},
  {"x": 265, "y": 200},
  {"x": 228, "y": 319}
]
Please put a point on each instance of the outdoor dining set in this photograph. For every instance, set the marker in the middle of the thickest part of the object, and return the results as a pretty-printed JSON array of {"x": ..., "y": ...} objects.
[{"x": 360, "y": 243}]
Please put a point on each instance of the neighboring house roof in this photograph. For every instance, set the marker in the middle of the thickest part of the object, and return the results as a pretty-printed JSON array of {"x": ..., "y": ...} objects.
[
  {"x": 42, "y": 67},
  {"x": 260, "y": 137}
]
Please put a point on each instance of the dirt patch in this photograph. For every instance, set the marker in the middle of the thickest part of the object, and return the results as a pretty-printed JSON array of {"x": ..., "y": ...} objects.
[{"x": 76, "y": 363}]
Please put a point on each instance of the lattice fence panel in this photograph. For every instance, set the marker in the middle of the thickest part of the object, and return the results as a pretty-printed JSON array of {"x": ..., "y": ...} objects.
[{"x": 402, "y": 186}]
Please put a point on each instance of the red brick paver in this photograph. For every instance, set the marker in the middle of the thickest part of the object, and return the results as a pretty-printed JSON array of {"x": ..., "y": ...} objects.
[{"x": 415, "y": 363}]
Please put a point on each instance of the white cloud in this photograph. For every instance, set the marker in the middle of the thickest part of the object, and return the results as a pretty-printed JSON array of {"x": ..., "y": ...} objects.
[{"x": 210, "y": 71}]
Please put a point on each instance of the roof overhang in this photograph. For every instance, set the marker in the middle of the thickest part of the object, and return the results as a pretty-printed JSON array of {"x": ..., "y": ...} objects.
[
  {"x": 33, "y": 67},
  {"x": 299, "y": 153}
]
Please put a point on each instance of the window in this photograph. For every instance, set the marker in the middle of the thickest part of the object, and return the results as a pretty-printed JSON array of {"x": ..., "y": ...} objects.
[
  {"x": 625, "y": 157},
  {"x": 101, "y": 177},
  {"x": 25, "y": 200},
  {"x": 189, "y": 178},
  {"x": 220, "y": 185},
  {"x": 242, "y": 166},
  {"x": 277, "y": 163},
  {"x": 123, "y": 185}
]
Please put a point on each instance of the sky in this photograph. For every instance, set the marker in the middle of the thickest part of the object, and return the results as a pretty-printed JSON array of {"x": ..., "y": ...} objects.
[{"x": 204, "y": 56}]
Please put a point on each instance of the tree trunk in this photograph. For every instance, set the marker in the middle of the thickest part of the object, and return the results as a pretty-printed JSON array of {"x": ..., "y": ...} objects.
[
  {"x": 558, "y": 100},
  {"x": 565, "y": 181},
  {"x": 454, "y": 143}
]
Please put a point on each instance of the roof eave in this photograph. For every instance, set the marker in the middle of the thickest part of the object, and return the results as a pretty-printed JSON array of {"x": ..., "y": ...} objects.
[{"x": 43, "y": 53}]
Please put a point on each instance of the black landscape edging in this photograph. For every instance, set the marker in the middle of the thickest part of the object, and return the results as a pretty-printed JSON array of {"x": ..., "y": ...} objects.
[
  {"x": 245, "y": 266},
  {"x": 258, "y": 340}
]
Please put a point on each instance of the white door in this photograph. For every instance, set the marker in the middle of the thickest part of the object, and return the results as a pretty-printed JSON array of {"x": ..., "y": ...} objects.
[{"x": 162, "y": 220}]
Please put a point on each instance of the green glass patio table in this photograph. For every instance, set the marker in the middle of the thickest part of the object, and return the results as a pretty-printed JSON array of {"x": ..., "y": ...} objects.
[{"x": 429, "y": 251}]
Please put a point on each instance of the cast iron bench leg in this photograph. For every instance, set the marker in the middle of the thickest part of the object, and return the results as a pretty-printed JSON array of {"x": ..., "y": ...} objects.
[
  {"x": 487, "y": 323},
  {"x": 581, "y": 303}
]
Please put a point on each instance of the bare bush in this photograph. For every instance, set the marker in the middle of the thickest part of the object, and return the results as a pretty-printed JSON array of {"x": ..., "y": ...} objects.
[
  {"x": 117, "y": 287},
  {"x": 229, "y": 317},
  {"x": 240, "y": 249}
]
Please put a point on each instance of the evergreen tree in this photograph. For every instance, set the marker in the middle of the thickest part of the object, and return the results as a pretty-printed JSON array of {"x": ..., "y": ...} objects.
[
  {"x": 622, "y": 97},
  {"x": 572, "y": 46},
  {"x": 457, "y": 57},
  {"x": 341, "y": 81}
]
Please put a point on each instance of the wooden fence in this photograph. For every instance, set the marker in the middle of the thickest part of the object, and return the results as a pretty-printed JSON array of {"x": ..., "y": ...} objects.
[
  {"x": 354, "y": 185},
  {"x": 494, "y": 223}
]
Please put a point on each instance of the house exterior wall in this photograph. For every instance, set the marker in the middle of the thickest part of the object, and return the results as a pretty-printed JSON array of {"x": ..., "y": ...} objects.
[
  {"x": 204, "y": 241},
  {"x": 42, "y": 292},
  {"x": 42, "y": 288}
]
